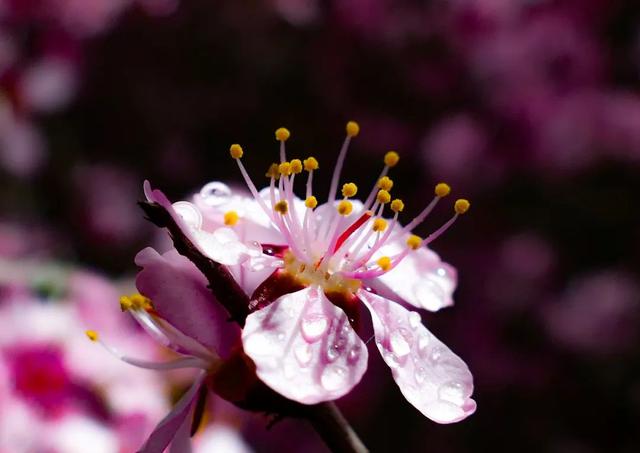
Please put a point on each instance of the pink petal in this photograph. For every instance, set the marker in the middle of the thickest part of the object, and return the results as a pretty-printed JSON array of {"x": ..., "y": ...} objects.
[
  {"x": 179, "y": 294},
  {"x": 431, "y": 377},
  {"x": 304, "y": 347},
  {"x": 421, "y": 279},
  {"x": 168, "y": 428}
]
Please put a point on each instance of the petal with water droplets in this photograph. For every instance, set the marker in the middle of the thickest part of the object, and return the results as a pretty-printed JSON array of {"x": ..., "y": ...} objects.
[
  {"x": 431, "y": 377},
  {"x": 421, "y": 279},
  {"x": 304, "y": 347}
]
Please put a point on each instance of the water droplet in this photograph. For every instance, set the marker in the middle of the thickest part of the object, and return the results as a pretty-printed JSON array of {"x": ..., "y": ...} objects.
[
  {"x": 436, "y": 354},
  {"x": 189, "y": 213},
  {"x": 431, "y": 295},
  {"x": 354, "y": 354},
  {"x": 391, "y": 360},
  {"x": 399, "y": 345},
  {"x": 414, "y": 320},
  {"x": 280, "y": 336},
  {"x": 333, "y": 378},
  {"x": 423, "y": 344},
  {"x": 333, "y": 352},
  {"x": 258, "y": 345},
  {"x": 442, "y": 272},
  {"x": 303, "y": 354},
  {"x": 215, "y": 193},
  {"x": 314, "y": 326},
  {"x": 452, "y": 392},
  {"x": 420, "y": 375}
]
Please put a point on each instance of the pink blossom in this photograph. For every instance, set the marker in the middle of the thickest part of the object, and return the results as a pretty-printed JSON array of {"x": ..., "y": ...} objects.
[{"x": 322, "y": 263}]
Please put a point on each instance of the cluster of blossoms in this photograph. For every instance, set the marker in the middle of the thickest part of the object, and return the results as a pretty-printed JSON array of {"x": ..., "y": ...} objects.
[{"x": 307, "y": 270}]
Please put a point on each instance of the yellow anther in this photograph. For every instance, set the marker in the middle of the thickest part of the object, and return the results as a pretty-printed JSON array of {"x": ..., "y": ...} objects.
[
  {"x": 92, "y": 335},
  {"x": 414, "y": 242},
  {"x": 349, "y": 190},
  {"x": 353, "y": 129},
  {"x": 461, "y": 206},
  {"x": 383, "y": 196},
  {"x": 385, "y": 183},
  {"x": 282, "y": 207},
  {"x": 384, "y": 263},
  {"x": 391, "y": 159},
  {"x": 379, "y": 225},
  {"x": 310, "y": 164},
  {"x": 139, "y": 302},
  {"x": 345, "y": 207},
  {"x": 397, "y": 205},
  {"x": 231, "y": 218},
  {"x": 273, "y": 171},
  {"x": 296, "y": 166},
  {"x": 442, "y": 190},
  {"x": 284, "y": 168},
  {"x": 236, "y": 151},
  {"x": 125, "y": 303},
  {"x": 282, "y": 134},
  {"x": 311, "y": 202}
]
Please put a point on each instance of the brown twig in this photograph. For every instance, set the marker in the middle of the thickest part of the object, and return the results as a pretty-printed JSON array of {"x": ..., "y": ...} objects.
[{"x": 325, "y": 418}]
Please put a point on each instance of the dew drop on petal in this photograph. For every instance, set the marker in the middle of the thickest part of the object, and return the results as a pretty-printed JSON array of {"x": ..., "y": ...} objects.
[
  {"x": 333, "y": 352},
  {"x": 420, "y": 375},
  {"x": 354, "y": 354},
  {"x": 303, "y": 354},
  {"x": 260, "y": 346},
  {"x": 333, "y": 378},
  {"x": 442, "y": 272},
  {"x": 189, "y": 213},
  {"x": 436, "y": 354},
  {"x": 399, "y": 345},
  {"x": 314, "y": 326},
  {"x": 452, "y": 392},
  {"x": 423, "y": 344},
  {"x": 215, "y": 193},
  {"x": 414, "y": 320}
]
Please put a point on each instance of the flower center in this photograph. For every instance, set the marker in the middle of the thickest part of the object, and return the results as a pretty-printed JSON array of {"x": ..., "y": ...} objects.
[{"x": 324, "y": 247}]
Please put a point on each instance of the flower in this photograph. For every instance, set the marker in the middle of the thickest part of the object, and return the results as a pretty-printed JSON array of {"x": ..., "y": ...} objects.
[{"x": 309, "y": 268}]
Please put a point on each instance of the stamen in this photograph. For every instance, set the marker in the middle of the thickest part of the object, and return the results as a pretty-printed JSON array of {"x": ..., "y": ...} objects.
[
  {"x": 236, "y": 152},
  {"x": 385, "y": 183},
  {"x": 460, "y": 207},
  {"x": 282, "y": 135},
  {"x": 296, "y": 166},
  {"x": 383, "y": 196},
  {"x": 353, "y": 129},
  {"x": 391, "y": 159},
  {"x": 281, "y": 207},
  {"x": 379, "y": 225},
  {"x": 441, "y": 191},
  {"x": 414, "y": 242},
  {"x": 231, "y": 218},
  {"x": 180, "y": 363},
  {"x": 349, "y": 190},
  {"x": 344, "y": 208},
  {"x": 310, "y": 164},
  {"x": 311, "y": 202},
  {"x": 384, "y": 263}
]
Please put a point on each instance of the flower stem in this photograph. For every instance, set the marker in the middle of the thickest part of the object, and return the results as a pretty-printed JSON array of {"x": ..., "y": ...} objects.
[{"x": 326, "y": 418}]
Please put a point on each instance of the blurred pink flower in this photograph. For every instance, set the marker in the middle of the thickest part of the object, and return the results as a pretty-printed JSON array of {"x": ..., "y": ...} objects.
[{"x": 596, "y": 314}]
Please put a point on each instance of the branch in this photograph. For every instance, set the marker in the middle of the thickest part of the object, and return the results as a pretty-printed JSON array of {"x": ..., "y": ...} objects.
[{"x": 325, "y": 418}]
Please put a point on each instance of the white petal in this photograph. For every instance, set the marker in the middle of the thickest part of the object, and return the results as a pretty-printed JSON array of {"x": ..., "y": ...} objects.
[
  {"x": 431, "y": 377},
  {"x": 421, "y": 279},
  {"x": 304, "y": 347}
]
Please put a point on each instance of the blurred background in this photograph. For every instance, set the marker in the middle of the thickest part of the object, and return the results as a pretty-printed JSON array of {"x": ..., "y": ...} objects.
[{"x": 530, "y": 108}]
